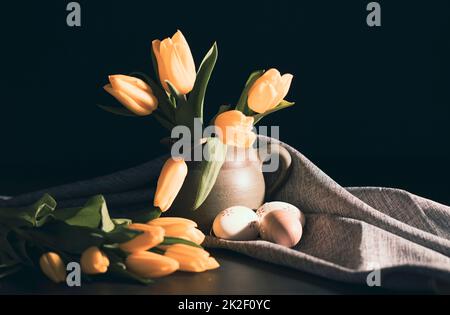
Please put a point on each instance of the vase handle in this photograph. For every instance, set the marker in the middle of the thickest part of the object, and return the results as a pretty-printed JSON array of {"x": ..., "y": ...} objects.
[{"x": 285, "y": 163}]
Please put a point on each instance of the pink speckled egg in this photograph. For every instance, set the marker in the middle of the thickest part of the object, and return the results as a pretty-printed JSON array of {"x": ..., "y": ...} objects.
[
  {"x": 280, "y": 205},
  {"x": 281, "y": 227}
]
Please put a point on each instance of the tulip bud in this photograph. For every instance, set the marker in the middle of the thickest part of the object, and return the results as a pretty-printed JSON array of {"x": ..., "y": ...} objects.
[
  {"x": 190, "y": 234},
  {"x": 53, "y": 267},
  {"x": 234, "y": 128},
  {"x": 150, "y": 237},
  {"x": 170, "y": 182},
  {"x": 192, "y": 259},
  {"x": 180, "y": 228},
  {"x": 133, "y": 93},
  {"x": 151, "y": 265},
  {"x": 165, "y": 221},
  {"x": 268, "y": 91},
  {"x": 175, "y": 63},
  {"x": 94, "y": 261}
]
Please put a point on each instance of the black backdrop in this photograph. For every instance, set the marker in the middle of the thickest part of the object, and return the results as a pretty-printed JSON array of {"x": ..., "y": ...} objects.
[{"x": 373, "y": 104}]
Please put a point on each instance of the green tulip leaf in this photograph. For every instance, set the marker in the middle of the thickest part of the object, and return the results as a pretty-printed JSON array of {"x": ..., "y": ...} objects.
[
  {"x": 175, "y": 240},
  {"x": 184, "y": 115},
  {"x": 210, "y": 167},
  {"x": 94, "y": 214},
  {"x": 8, "y": 255},
  {"x": 121, "y": 111},
  {"x": 283, "y": 104},
  {"x": 107, "y": 224},
  {"x": 185, "y": 111},
  {"x": 146, "y": 215},
  {"x": 117, "y": 269},
  {"x": 13, "y": 247},
  {"x": 62, "y": 237},
  {"x": 242, "y": 102},
  {"x": 121, "y": 221},
  {"x": 180, "y": 99},
  {"x": 197, "y": 96},
  {"x": 35, "y": 215},
  {"x": 120, "y": 234}
]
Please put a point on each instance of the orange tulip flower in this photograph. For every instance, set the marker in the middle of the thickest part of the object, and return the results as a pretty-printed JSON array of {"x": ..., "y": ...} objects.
[
  {"x": 269, "y": 90},
  {"x": 133, "y": 93},
  {"x": 175, "y": 63},
  {"x": 151, "y": 265},
  {"x": 166, "y": 221},
  {"x": 192, "y": 259},
  {"x": 180, "y": 228},
  {"x": 94, "y": 261},
  {"x": 170, "y": 181},
  {"x": 53, "y": 267},
  {"x": 150, "y": 237},
  {"x": 234, "y": 128}
]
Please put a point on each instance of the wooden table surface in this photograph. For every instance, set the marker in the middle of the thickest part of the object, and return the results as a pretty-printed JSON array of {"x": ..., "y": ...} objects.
[{"x": 238, "y": 275}]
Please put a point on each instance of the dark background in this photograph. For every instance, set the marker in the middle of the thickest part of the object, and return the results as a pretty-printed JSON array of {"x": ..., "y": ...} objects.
[{"x": 373, "y": 104}]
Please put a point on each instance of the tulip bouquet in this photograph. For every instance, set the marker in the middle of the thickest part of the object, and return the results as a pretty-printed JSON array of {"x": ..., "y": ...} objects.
[
  {"x": 176, "y": 97},
  {"x": 63, "y": 241},
  {"x": 149, "y": 247}
]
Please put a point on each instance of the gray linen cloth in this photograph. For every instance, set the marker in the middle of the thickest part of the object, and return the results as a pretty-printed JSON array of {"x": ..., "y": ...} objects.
[{"x": 350, "y": 233}]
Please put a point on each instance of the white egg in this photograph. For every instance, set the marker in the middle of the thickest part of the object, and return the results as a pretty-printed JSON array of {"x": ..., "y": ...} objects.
[
  {"x": 236, "y": 223},
  {"x": 280, "y": 205}
]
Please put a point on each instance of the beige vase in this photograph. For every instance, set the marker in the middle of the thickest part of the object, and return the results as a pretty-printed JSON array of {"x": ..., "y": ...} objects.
[{"x": 240, "y": 182}]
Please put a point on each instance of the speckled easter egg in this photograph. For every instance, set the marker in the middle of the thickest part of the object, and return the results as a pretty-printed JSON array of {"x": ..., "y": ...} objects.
[
  {"x": 236, "y": 223},
  {"x": 280, "y": 205},
  {"x": 281, "y": 227}
]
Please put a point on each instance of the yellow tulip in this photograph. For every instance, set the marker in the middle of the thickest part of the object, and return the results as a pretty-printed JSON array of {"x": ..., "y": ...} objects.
[
  {"x": 151, "y": 265},
  {"x": 53, "y": 267},
  {"x": 175, "y": 63},
  {"x": 170, "y": 181},
  {"x": 94, "y": 261},
  {"x": 180, "y": 228},
  {"x": 165, "y": 221},
  {"x": 150, "y": 237},
  {"x": 269, "y": 90},
  {"x": 133, "y": 93},
  {"x": 234, "y": 128},
  {"x": 184, "y": 232},
  {"x": 192, "y": 259}
]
